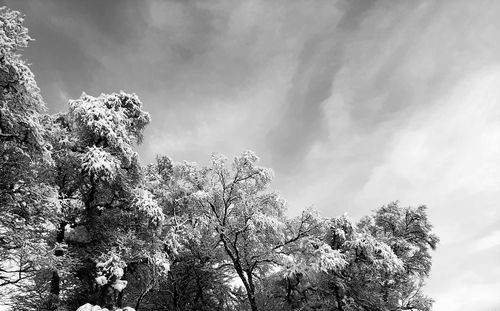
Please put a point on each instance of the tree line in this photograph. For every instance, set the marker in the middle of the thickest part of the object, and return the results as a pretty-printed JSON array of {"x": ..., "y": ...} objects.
[{"x": 84, "y": 226}]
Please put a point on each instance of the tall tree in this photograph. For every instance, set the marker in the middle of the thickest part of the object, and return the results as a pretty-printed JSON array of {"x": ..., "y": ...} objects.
[
  {"x": 246, "y": 221},
  {"x": 108, "y": 220},
  {"x": 196, "y": 280},
  {"x": 26, "y": 200}
]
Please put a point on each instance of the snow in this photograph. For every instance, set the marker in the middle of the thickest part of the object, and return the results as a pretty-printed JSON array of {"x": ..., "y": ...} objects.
[
  {"x": 119, "y": 285},
  {"x": 101, "y": 280},
  {"x": 118, "y": 272},
  {"x": 98, "y": 162},
  {"x": 145, "y": 202},
  {"x": 89, "y": 307}
]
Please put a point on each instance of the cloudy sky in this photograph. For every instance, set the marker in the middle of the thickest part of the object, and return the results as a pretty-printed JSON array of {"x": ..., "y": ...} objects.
[{"x": 353, "y": 103}]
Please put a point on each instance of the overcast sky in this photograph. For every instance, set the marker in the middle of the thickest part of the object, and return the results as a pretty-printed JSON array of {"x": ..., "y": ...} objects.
[{"x": 353, "y": 103}]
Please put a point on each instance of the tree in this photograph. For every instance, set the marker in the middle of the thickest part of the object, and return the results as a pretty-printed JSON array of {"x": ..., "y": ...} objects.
[
  {"x": 387, "y": 259},
  {"x": 195, "y": 280},
  {"x": 70, "y": 189},
  {"x": 408, "y": 233},
  {"x": 109, "y": 221},
  {"x": 246, "y": 222},
  {"x": 26, "y": 199}
]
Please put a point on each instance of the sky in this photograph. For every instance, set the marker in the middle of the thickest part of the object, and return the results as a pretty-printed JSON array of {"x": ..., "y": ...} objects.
[{"x": 353, "y": 103}]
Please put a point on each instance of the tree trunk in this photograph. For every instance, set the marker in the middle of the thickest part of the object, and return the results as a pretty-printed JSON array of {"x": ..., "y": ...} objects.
[
  {"x": 251, "y": 292},
  {"x": 339, "y": 298},
  {"x": 248, "y": 283},
  {"x": 54, "y": 291},
  {"x": 55, "y": 282},
  {"x": 175, "y": 295},
  {"x": 143, "y": 294},
  {"x": 107, "y": 297}
]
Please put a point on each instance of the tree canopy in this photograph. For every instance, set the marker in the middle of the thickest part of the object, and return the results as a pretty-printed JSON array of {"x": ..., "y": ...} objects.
[{"x": 84, "y": 226}]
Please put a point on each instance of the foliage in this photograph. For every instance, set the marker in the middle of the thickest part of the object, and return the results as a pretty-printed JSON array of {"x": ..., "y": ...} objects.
[
  {"x": 26, "y": 196},
  {"x": 104, "y": 204},
  {"x": 387, "y": 258}
]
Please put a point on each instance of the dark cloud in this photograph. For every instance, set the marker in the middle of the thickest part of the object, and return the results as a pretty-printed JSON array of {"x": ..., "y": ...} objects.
[
  {"x": 302, "y": 122},
  {"x": 117, "y": 20},
  {"x": 60, "y": 59},
  {"x": 320, "y": 58},
  {"x": 68, "y": 68}
]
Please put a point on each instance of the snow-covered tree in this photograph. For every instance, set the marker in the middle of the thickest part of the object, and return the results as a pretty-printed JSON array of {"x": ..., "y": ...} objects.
[
  {"x": 105, "y": 210},
  {"x": 407, "y": 232},
  {"x": 27, "y": 206},
  {"x": 238, "y": 215},
  {"x": 194, "y": 280},
  {"x": 386, "y": 260}
]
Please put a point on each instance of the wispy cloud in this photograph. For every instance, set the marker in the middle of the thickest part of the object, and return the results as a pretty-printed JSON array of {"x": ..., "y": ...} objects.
[{"x": 487, "y": 242}]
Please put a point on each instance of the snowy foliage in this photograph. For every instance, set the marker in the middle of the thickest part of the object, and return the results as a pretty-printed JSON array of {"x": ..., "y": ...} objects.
[
  {"x": 99, "y": 163},
  {"x": 28, "y": 207},
  {"x": 89, "y": 307},
  {"x": 377, "y": 253},
  {"x": 114, "y": 121},
  {"x": 13, "y": 36},
  {"x": 145, "y": 202},
  {"x": 110, "y": 272},
  {"x": 328, "y": 259},
  {"x": 20, "y": 99}
]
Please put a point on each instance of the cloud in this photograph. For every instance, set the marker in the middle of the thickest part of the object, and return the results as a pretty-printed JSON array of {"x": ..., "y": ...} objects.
[
  {"x": 489, "y": 241},
  {"x": 322, "y": 55},
  {"x": 470, "y": 293}
]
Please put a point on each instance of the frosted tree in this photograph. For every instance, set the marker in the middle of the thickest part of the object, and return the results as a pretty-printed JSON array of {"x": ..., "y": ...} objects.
[
  {"x": 21, "y": 102},
  {"x": 109, "y": 221},
  {"x": 246, "y": 222},
  {"x": 408, "y": 233},
  {"x": 27, "y": 202},
  {"x": 370, "y": 260},
  {"x": 195, "y": 279},
  {"x": 70, "y": 190},
  {"x": 386, "y": 258}
]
